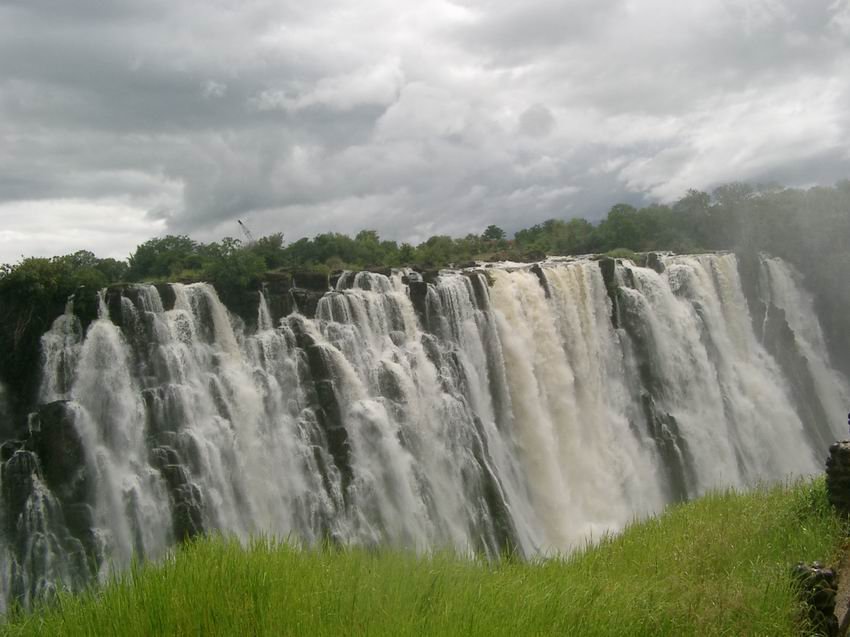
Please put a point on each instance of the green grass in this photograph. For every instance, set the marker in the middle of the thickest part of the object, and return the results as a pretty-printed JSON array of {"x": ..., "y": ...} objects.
[{"x": 716, "y": 566}]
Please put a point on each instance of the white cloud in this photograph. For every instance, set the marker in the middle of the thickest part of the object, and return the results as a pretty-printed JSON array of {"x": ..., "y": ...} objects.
[
  {"x": 374, "y": 85},
  {"x": 741, "y": 137},
  {"x": 52, "y": 227},
  {"x": 212, "y": 89},
  {"x": 840, "y": 19}
]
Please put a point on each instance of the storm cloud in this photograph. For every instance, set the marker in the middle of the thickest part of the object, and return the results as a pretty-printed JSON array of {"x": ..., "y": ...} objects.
[{"x": 124, "y": 120}]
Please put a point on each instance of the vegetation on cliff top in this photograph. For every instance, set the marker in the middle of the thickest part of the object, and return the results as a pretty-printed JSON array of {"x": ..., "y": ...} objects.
[
  {"x": 720, "y": 565},
  {"x": 795, "y": 224},
  {"x": 799, "y": 225}
]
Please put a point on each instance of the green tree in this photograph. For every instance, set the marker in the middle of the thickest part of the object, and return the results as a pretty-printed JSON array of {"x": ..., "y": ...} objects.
[
  {"x": 620, "y": 229},
  {"x": 493, "y": 233},
  {"x": 693, "y": 217},
  {"x": 113, "y": 270},
  {"x": 164, "y": 256},
  {"x": 270, "y": 249},
  {"x": 406, "y": 254},
  {"x": 436, "y": 251},
  {"x": 368, "y": 249},
  {"x": 230, "y": 266}
]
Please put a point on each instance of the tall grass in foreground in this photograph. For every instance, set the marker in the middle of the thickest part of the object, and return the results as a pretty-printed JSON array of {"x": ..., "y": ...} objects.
[{"x": 719, "y": 565}]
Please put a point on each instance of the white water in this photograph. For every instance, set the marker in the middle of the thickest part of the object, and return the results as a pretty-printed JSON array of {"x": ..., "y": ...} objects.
[
  {"x": 60, "y": 351},
  {"x": 586, "y": 470},
  {"x": 131, "y": 505},
  {"x": 523, "y": 420},
  {"x": 785, "y": 290},
  {"x": 727, "y": 393}
]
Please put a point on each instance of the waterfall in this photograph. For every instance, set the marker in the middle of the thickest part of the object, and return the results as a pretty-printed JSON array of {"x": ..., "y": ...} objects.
[
  {"x": 504, "y": 408},
  {"x": 60, "y": 349},
  {"x": 131, "y": 508},
  {"x": 783, "y": 288},
  {"x": 583, "y": 463}
]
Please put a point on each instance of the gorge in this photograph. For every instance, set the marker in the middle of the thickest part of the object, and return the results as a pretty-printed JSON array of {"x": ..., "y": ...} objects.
[{"x": 523, "y": 408}]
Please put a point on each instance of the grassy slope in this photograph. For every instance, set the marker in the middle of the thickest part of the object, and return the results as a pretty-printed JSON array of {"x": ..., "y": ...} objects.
[{"x": 719, "y": 565}]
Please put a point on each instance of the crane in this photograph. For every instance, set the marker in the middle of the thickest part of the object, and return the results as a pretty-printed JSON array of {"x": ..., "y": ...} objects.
[{"x": 246, "y": 232}]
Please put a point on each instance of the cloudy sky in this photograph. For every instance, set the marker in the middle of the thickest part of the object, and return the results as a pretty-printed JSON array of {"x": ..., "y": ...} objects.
[{"x": 125, "y": 119}]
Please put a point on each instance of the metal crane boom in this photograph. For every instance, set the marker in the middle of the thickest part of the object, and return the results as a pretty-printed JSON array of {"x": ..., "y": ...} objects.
[{"x": 246, "y": 232}]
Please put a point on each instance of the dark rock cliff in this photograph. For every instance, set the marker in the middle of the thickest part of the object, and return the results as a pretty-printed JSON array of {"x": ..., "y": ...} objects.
[{"x": 22, "y": 325}]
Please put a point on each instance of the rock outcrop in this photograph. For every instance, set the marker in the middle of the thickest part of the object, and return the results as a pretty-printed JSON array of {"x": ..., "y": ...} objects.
[
  {"x": 817, "y": 587},
  {"x": 838, "y": 476}
]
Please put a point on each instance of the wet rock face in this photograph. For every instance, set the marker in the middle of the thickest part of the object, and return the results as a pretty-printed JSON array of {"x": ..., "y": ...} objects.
[
  {"x": 327, "y": 407},
  {"x": 608, "y": 266},
  {"x": 136, "y": 295},
  {"x": 654, "y": 261},
  {"x": 166, "y": 295},
  {"x": 285, "y": 293},
  {"x": 817, "y": 588},
  {"x": 838, "y": 476},
  {"x": 17, "y": 473},
  {"x": 541, "y": 276},
  {"x": 54, "y": 439},
  {"x": 315, "y": 281},
  {"x": 418, "y": 297},
  {"x": 86, "y": 304},
  {"x": 479, "y": 286},
  {"x": 678, "y": 462},
  {"x": 306, "y": 301},
  {"x": 46, "y": 498},
  {"x": 276, "y": 286},
  {"x": 53, "y": 453},
  {"x": 186, "y": 497}
]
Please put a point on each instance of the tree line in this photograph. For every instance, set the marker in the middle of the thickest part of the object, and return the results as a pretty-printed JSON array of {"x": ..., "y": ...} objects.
[{"x": 803, "y": 226}]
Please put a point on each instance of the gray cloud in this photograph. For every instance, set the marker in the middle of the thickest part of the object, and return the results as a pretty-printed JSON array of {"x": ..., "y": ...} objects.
[
  {"x": 536, "y": 121},
  {"x": 124, "y": 120}
]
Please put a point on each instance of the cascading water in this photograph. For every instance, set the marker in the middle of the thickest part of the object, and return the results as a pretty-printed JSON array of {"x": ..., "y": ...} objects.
[
  {"x": 60, "y": 350},
  {"x": 710, "y": 374},
  {"x": 783, "y": 289},
  {"x": 510, "y": 408},
  {"x": 586, "y": 469}
]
